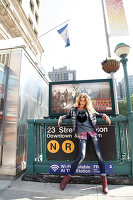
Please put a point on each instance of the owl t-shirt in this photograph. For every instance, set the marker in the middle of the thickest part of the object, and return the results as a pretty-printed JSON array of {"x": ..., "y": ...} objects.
[{"x": 83, "y": 122}]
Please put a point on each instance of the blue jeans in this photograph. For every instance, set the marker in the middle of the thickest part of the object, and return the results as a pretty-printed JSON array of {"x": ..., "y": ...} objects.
[{"x": 82, "y": 153}]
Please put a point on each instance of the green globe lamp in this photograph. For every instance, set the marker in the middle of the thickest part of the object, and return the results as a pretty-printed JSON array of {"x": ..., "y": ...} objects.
[{"x": 122, "y": 50}]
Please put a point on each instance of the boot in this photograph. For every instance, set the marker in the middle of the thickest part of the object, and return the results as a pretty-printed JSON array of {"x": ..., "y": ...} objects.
[
  {"x": 104, "y": 184},
  {"x": 64, "y": 182}
]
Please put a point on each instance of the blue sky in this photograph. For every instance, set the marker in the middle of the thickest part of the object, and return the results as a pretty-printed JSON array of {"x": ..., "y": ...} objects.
[{"x": 87, "y": 37}]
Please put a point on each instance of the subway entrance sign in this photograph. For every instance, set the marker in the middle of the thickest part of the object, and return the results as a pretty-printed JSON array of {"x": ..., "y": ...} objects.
[{"x": 62, "y": 143}]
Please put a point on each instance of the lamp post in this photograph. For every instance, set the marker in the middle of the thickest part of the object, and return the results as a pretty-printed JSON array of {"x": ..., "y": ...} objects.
[{"x": 122, "y": 50}]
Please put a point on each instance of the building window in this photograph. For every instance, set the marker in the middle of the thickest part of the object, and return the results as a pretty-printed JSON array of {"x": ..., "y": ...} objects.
[
  {"x": 55, "y": 77},
  {"x": 70, "y": 77},
  {"x": 36, "y": 17},
  {"x": 50, "y": 76},
  {"x": 38, "y": 3},
  {"x": 65, "y": 77},
  {"x": 35, "y": 31},
  {"x": 30, "y": 21},
  {"x": 20, "y": 1},
  {"x": 31, "y": 6},
  {"x": 58, "y": 77}
]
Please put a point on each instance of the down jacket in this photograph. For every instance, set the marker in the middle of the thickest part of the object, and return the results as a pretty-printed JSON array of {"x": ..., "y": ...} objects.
[{"x": 72, "y": 114}]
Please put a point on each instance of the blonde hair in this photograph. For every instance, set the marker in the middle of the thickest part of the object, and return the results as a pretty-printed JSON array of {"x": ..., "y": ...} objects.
[{"x": 88, "y": 105}]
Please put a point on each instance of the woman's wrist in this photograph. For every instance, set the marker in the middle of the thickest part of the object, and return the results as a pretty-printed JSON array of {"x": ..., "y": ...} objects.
[
  {"x": 104, "y": 116},
  {"x": 62, "y": 117}
]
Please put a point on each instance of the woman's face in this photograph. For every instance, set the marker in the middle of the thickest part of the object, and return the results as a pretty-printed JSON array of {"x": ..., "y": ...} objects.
[{"x": 82, "y": 102}]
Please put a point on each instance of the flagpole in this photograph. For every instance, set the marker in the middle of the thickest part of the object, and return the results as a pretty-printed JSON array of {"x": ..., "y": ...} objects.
[
  {"x": 47, "y": 32},
  {"x": 106, "y": 30},
  {"x": 109, "y": 55},
  {"x": 53, "y": 28}
]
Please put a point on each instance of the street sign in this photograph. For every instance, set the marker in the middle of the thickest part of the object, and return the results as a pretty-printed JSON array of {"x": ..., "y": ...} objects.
[{"x": 62, "y": 143}]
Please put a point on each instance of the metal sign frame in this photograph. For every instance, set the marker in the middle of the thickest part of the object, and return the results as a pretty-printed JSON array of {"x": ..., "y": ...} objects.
[{"x": 100, "y": 91}]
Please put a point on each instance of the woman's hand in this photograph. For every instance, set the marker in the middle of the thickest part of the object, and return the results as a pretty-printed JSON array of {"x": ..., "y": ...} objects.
[
  {"x": 107, "y": 118},
  {"x": 59, "y": 121}
]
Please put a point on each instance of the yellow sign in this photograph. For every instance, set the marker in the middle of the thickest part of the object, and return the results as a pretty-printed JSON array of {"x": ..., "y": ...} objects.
[
  {"x": 53, "y": 146},
  {"x": 68, "y": 146}
]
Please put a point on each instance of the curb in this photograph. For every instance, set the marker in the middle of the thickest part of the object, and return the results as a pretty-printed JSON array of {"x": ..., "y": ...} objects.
[{"x": 96, "y": 179}]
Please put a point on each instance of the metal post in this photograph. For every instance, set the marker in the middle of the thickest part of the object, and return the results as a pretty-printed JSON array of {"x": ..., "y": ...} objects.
[
  {"x": 109, "y": 55},
  {"x": 129, "y": 106},
  {"x": 30, "y": 147},
  {"x": 128, "y": 96},
  {"x": 115, "y": 94}
]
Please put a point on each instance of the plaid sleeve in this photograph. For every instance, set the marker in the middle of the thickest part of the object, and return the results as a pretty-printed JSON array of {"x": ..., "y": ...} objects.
[
  {"x": 68, "y": 115},
  {"x": 99, "y": 114}
]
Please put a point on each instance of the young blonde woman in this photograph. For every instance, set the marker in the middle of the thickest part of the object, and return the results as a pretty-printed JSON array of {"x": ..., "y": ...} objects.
[{"x": 84, "y": 124}]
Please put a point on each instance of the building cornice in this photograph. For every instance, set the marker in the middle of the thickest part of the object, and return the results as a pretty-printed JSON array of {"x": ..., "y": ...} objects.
[{"x": 18, "y": 25}]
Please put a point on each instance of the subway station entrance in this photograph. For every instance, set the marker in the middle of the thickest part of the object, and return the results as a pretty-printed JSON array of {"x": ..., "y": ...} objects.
[{"x": 51, "y": 150}]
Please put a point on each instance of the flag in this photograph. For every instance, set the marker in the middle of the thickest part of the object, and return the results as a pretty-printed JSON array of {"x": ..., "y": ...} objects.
[
  {"x": 64, "y": 34},
  {"x": 116, "y": 17}
]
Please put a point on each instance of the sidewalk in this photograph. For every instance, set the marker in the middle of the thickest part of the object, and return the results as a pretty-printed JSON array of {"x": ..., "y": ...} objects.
[{"x": 26, "y": 190}]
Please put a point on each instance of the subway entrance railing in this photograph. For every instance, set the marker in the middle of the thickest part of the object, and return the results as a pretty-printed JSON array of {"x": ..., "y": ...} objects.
[{"x": 50, "y": 147}]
